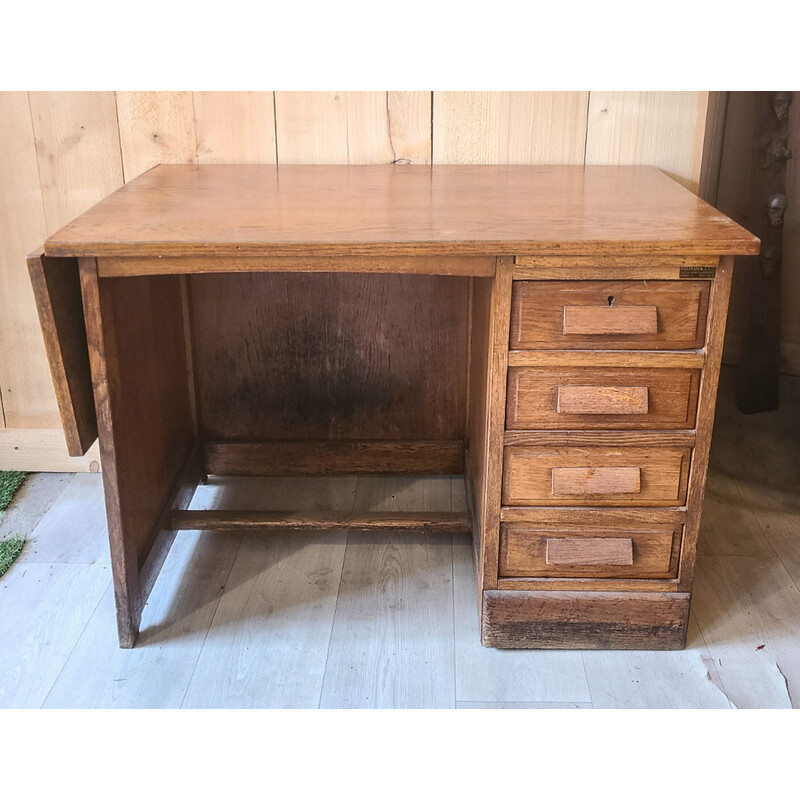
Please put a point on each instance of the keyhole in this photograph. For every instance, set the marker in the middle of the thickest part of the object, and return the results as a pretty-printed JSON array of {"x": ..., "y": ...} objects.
[{"x": 611, "y": 299}]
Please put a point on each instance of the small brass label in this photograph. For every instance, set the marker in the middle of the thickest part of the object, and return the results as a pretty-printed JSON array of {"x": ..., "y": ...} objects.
[{"x": 697, "y": 272}]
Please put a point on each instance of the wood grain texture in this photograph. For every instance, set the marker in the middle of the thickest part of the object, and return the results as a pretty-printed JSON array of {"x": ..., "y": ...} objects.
[
  {"x": 533, "y": 398},
  {"x": 43, "y": 450},
  {"x": 334, "y": 457},
  {"x": 646, "y": 315},
  {"x": 394, "y": 587},
  {"x": 234, "y": 127},
  {"x": 26, "y": 389},
  {"x": 115, "y": 267},
  {"x": 715, "y": 336},
  {"x": 602, "y": 400},
  {"x": 77, "y": 151},
  {"x": 610, "y": 320},
  {"x": 57, "y": 289},
  {"x": 418, "y": 522},
  {"x": 594, "y": 551},
  {"x": 491, "y": 307},
  {"x": 528, "y": 550},
  {"x": 311, "y": 357},
  {"x": 509, "y": 127},
  {"x": 136, "y": 348},
  {"x": 601, "y": 438},
  {"x": 664, "y": 129},
  {"x": 602, "y": 476},
  {"x": 570, "y": 481},
  {"x": 586, "y": 620},
  {"x": 220, "y": 210},
  {"x": 353, "y": 127},
  {"x": 602, "y": 359},
  {"x": 155, "y": 128}
]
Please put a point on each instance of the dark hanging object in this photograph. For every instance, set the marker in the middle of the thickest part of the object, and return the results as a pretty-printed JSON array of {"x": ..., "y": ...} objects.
[{"x": 759, "y": 373}]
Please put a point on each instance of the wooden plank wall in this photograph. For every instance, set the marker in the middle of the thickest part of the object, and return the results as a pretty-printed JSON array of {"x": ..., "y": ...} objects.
[{"x": 61, "y": 152}]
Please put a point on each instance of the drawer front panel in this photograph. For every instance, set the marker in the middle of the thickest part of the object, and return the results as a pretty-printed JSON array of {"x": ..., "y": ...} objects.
[
  {"x": 534, "y": 551},
  {"x": 544, "y": 398},
  {"x": 592, "y": 476},
  {"x": 648, "y": 315}
]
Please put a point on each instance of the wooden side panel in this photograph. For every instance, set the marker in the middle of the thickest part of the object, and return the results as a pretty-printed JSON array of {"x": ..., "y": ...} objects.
[
  {"x": 141, "y": 387},
  {"x": 491, "y": 308},
  {"x": 509, "y": 127},
  {"x": 327, "y": 356},
  {"x": 715, "y": 337},
  {"x": 585, "y": 620},
  {"x": 234, "y": 127},
  {"x": 353, "y": 127},
  {"x": 26, "y": 389},
  {"x": 661, "y": 129},
  {"x": 57, "y": 288},
  {"x": 155, "y": 128}
]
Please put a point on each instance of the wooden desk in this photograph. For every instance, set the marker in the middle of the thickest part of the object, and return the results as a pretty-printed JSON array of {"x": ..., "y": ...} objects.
[{"x": 553, "y": 333}]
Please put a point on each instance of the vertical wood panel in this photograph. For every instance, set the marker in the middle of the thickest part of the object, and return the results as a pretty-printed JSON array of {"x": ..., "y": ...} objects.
[
  {"x": 77, "y": 148},
  {"x": 661, "y": 129},
  {"x": 155, "y": 128},
  {"x": 353, "y": 127},
  {"x": 509, "y": 127},
  {"x": 235, "y": 127},
  {"x": 311, "y": 127},
  {"x": 27, "y": 389}
]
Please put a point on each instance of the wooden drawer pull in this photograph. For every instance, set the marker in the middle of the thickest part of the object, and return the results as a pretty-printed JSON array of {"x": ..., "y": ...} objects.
[
  {"x": 596, "y": 480},
  {"x": 590, "y": 552},
  {"x": 610, "y": 320},
  {"x": 602, "y": 400}
]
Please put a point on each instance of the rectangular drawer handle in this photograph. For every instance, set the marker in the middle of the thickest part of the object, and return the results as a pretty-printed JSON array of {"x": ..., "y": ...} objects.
[
  {"x": 602, "y": 400},
  {"x": 610, "y": 320},
  {"x": 590, "y": 552},
  {"x": 596, "y": 480}
]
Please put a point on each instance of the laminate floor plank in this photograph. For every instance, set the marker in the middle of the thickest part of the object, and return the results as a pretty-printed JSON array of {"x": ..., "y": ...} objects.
[
  {"x": 655, "y": 679},
  {"x": 74, "y": 529},
  {"x": 748, "y": 610},
  {"x": 728, "y": 526},
  {"x": 31, "y": 502},
  {"x": 485, "y": 674},
  {"x": 44, "y": 609},
  {"x": 392, "y": 644},
  {"x": 268, "y": 642},
  {"x": 529, "y": 706}
]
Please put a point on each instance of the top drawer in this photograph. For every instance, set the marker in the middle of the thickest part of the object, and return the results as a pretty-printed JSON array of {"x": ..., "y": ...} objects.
[{"x": 620, "y": 315}]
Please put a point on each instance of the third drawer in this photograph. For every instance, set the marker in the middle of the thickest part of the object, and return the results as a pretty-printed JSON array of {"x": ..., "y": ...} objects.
[{"x": 595, "y": 476}]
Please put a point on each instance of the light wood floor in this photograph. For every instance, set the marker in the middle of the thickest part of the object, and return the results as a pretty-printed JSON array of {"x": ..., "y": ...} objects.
[{"x": 352, "y": 619}]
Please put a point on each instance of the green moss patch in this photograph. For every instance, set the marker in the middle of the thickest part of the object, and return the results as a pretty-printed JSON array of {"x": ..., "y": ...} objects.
[{"x": 9, "y": 550}]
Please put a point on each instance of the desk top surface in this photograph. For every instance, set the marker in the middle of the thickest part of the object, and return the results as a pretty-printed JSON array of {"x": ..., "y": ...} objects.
[{"x": 248, "y": 210}]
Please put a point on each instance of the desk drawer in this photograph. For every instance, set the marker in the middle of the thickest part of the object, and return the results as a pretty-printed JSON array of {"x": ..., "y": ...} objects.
[
  {"x": 609, "y": 315},
  {"x": 528, "y": 550},
  {"x": 542, "y": 398},
  {"x": 595, "y": 476}
]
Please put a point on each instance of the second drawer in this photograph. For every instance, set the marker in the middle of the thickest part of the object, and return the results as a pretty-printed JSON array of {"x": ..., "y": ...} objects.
[
  {"x": 542, "y": 398},
  {"x": 595, "y": 476}
]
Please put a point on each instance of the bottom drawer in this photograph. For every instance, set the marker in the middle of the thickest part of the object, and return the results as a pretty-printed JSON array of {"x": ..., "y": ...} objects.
[{"x": 528, "y": 550}]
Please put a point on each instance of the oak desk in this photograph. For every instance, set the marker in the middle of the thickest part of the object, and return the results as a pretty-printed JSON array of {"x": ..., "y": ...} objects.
[{"x": 553, "y": 333}]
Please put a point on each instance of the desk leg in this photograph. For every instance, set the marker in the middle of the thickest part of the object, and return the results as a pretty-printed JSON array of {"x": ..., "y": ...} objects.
[{"x": 150, "y": 457}]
